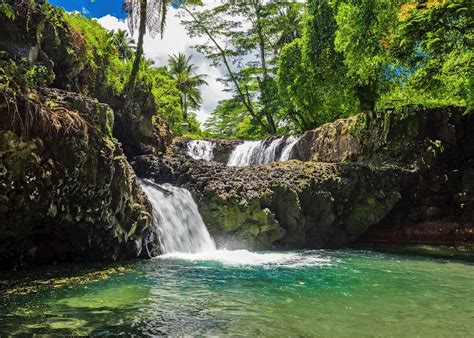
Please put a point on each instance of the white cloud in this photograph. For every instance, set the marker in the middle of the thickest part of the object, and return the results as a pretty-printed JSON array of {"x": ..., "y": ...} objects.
[
  {"x": 112, "y": 23},
  {"x": 176, "y": 40}
]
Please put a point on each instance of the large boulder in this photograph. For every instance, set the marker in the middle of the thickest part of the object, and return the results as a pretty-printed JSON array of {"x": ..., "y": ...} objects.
[
  {"x": 406, "y": 136},
  {"x": 293, "y": 204},
  {"x": 67, "y": 191}
]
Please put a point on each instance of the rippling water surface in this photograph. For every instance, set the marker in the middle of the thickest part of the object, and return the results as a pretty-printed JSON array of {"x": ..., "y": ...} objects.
[{"x": 326, "y": 293}]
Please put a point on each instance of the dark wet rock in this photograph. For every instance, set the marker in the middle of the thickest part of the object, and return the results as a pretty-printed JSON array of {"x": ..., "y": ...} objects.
[
  {"x": 67, "y": 191},
  {"x": 223, "y": 148},
  {"x": 441, "y": 232},
  {"x": 293, "y": 204},
  {"x": 441, "y": 150},
  {"x": 140, "y": 135}
]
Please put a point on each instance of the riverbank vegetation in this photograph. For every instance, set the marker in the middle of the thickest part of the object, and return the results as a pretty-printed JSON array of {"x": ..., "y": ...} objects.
[
  {"x": 98, "y": 63},
  {"x": 297, "y": 66},
  {"x": 289, "y": 66}
]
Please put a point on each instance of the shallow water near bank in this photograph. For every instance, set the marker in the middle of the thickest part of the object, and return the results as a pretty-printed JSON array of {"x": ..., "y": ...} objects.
[{"x": 329, "y": 293}]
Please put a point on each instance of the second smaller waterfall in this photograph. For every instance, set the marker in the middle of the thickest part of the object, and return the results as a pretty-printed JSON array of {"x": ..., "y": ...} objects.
[
  {"x": 286, "y": 152},
  {"x": 261, "y": 152},
  {"x": 177, "y": 215},
  {"x": 201, "y": 150}
]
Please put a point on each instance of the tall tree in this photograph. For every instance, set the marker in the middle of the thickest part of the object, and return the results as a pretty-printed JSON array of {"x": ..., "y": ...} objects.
[
  {"x": 364, "y": 28},
  {"x": 187, "y": 81},
  {"x": 245, "y": 37},
  {"x": 311, "y": 72},
  {"x": 144, "y": 15},
  {"x": 211, "y": 24}
]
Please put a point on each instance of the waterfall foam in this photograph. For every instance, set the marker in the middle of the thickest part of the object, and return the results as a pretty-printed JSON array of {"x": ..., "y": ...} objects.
[
  {"x": 177, "y": 216},
  {"x": 248, "y": 258},
  {"x": 201, "y": 150},
  {"x": 261, "y": 152}
]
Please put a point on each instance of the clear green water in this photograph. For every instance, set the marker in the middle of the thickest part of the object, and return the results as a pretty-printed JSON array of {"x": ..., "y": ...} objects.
[{"x": 325, "y": 293}]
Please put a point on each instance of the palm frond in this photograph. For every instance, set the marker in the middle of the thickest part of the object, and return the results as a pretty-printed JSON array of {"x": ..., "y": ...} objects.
[{"x": 156, "y": 11}]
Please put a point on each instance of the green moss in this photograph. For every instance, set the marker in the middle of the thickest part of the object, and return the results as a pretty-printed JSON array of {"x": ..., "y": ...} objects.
[
  {"x": 365, "y": 212},
  {"x": 249, "y": 222}
]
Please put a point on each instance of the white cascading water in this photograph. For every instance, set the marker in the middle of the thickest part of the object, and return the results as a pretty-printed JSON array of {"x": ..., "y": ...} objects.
[
  {"x": 201, "y": 150},
  {"x": 261, "y": 152},
  {"x": 286, "y": 152},
  {"x": 181, "y": 225},
  {"x": 184, "y": 234}
]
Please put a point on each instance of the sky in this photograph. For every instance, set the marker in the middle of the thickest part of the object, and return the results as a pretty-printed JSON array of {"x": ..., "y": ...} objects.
[{"x": 110, "y": 14}]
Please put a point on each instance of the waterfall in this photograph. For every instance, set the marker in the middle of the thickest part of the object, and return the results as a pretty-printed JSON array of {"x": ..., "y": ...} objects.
[
  {"x": 201, "y": 150},
  {"x": 183, "y": 234},
  {"x": 243, "y": 154},
  {"x": 177, "y": 216},
  {"x": 261, "y": 152},
  {"x": 286, "y": 152}
]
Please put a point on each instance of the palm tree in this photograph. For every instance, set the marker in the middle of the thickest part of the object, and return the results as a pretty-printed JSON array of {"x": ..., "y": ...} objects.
[
  {"x": 124, "y": 44},
  {"x": 187, "y": 81},
  {"x": 145, "y": 15}
]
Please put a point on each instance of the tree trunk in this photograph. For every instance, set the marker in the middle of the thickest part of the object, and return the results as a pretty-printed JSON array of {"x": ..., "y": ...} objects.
[
  {"x": 185, "y": 107},
  {"x": 240, "y": 93},
  {"x": 367, "y": 95},
  {"x": 139, "y": 52},
  {"x": 263, "y": 84}
]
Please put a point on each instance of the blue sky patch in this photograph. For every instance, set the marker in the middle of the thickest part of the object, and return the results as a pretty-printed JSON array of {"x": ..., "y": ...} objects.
[{"x": 93, "y": 8}]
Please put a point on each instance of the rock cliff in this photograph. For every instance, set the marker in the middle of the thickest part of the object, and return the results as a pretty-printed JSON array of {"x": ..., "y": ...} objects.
[
  {"x": 396, "y": 175},
  {"x": 67, "y": 191}
]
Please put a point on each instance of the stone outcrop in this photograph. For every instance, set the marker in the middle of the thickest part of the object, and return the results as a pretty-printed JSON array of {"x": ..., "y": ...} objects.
[
  {"x": 67, "y": 191},
  {"x": 422, "y": 160},
  {"x": 436, "y": 144},
  {"x": 406, "y": 136},
  {"x": 293, "y": 204}
]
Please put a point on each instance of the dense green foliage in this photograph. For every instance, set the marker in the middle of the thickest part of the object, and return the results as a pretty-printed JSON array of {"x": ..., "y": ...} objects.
[
  {"x": 110, "y": 52},
  {"x": 293, "y": 67},
  {"x": 360, "y": 55},
  {"x": 290, "y": 66}
]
